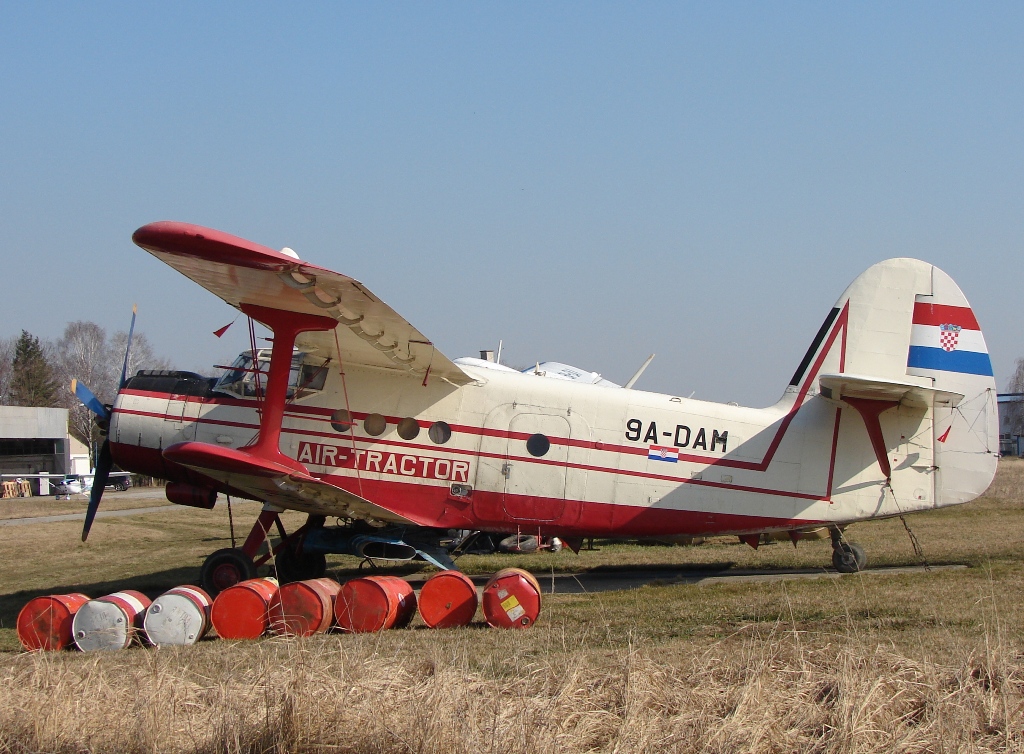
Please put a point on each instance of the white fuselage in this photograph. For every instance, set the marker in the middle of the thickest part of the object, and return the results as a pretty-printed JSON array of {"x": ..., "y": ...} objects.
[{"x": 609, "y": 460}]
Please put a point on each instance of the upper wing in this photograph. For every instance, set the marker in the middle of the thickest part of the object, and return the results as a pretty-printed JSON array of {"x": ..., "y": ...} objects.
[{"x": 369, "y": 332}]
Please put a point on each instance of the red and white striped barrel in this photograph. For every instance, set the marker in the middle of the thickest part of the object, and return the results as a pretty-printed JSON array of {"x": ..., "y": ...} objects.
[
  {"x": 512, "y": 599},
  {"x": 45, "y": 622},
  {"x": 242, "y": 611},
  {"x": 110, "y": 622},
  {"x": 304, "y": 608},
  {"x": 179, "y": 616},
  {"x": 374, "y": 603},
  {"x": 448, "y": 599}
]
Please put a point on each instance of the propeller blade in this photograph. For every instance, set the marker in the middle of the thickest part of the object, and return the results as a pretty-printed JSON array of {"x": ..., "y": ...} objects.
[
  {"x": 128, "y": 349},
  {"x": 99, "y": 482},
  {"x": 89, "y": 400}
]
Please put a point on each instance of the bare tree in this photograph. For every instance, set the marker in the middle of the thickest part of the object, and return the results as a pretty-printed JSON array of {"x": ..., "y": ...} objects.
[
  {"x": 140, "y": 357},
  {"x": 6, "y": 369},
  {"x": 1014, "y": 412},
  {"x": 83, "y": 353}
]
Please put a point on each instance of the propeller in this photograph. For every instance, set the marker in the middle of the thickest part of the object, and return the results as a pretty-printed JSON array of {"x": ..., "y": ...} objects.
[{"x": 104, "y": 461}]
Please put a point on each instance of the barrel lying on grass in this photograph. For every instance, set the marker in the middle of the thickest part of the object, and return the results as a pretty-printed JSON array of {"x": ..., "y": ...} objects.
[
  {"x": 448, "y": 599},
  {"x": 45, "y": 622},
  {"x": 110, "y": 622},
  {"x": 242, "y": 611},
  {"x": 304, "y": 608},
  {"x": 374, "y": 603},
  {"x": 512, "y": 599},
  {"x": 180, "y": 616}
]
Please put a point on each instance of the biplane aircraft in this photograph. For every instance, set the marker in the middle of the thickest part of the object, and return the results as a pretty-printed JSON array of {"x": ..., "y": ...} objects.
[{"x": 353, "y": 415}]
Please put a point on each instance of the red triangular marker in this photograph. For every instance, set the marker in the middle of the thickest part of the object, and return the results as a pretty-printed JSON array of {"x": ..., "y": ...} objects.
[
  {"x": 945, "y": 434},
  {"x": 224, "y": 329}
]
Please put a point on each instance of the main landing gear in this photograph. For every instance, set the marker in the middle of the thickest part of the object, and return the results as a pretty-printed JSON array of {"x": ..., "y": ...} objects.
[
  {"x": 847, "y": 557},
  {"x": 231, "y": 565},
  {"x": 302, "y": 554}
]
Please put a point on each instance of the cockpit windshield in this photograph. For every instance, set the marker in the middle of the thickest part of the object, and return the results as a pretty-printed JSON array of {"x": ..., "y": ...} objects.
[{"x": 246, "y": 381}]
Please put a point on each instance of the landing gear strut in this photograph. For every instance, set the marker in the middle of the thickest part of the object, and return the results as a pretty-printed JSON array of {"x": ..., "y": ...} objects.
[
  {"x": 847, "y": 557},
  {"x": 294, "y": 564},
  {"x": 227, "y": 567}
]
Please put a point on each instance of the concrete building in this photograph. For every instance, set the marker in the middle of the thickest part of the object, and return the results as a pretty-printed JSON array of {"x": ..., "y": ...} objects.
[{"x": 34, "y": 441}]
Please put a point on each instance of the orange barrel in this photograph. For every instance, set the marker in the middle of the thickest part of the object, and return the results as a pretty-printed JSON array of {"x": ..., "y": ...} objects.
[
  {"x": 374, "y": 603},
  {"x": 304, "y": 608},
  {"x": 110, "y": 622},
  {"x": 45, "y": 622},
  {"x": 242, "y": 611},
  {"x": 512, "y": 599},
  {"x": 179, "y": 616},
  {"x": 448, "y": 599}
]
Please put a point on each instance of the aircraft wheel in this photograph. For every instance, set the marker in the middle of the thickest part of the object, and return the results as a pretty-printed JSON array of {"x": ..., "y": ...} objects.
[
  {"x": 293, "y": 566},
  {"x": 226, "y": 568},
  {"x": 849, "y": 558},
  {"x": 518, "y": 544}
]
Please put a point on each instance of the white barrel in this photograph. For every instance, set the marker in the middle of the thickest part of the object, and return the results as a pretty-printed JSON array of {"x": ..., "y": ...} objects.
[
  {"x": 180, "y": 617},
  {"x": 109, "y": 622}
]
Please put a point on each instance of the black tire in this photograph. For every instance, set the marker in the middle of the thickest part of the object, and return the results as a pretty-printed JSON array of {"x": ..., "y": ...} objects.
[
  {"x": 518, "y": 544},
  {"x": 226, "y": 568},
  {"x": 291, "y": 565},
  {"x": 849, "y": 558},
  {"x": 120, "y": 486}
]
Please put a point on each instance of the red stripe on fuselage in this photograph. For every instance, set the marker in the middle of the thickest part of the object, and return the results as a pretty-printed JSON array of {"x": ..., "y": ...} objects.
[{"x": 580, "y": 517}]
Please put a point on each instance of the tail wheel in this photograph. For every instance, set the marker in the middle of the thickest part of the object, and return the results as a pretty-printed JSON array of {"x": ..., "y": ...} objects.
[
  {"x": 294, "y": 565},
  {"x": 226, "y": 568},
  {"x": 848, "y": 557}
]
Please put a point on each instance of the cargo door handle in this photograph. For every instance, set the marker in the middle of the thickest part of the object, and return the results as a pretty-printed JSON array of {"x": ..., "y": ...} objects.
[{"x": 506, "y": 470}]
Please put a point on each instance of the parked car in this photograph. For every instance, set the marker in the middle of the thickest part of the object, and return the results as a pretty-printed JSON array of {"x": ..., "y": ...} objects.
[{"x": 81, "y": 484}]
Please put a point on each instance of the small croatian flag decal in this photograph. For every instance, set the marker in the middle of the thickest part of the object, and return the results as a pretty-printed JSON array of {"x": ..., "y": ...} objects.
[{"x": 660, "y": 453}]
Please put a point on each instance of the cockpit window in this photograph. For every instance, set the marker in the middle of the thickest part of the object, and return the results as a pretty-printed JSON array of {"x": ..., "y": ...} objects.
[{"x": 240, "y": 378}]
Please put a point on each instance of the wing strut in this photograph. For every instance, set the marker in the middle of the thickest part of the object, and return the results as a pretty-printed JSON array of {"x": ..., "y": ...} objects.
[{"x": 286, "y": 326}]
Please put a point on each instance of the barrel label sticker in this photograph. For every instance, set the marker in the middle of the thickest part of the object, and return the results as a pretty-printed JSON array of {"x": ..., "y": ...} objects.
[
  {"x": 512, "y": 608},
  {"x": 502, "y": 594}
]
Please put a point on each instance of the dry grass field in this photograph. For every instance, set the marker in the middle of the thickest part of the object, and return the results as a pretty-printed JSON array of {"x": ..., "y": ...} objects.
[{"x": 923, "y": 661}]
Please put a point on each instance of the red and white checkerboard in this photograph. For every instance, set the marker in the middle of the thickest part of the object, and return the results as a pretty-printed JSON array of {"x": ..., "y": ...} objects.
[{"x": 949, "y": 336}]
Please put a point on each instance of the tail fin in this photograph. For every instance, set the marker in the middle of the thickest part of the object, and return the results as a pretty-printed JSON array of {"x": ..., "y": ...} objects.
[{"x": 904, "y": 333}]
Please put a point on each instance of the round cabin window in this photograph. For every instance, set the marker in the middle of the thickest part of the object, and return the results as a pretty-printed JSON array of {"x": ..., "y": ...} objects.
[
  {"x": 408, "y": 428},
  {"x": 341, "y": 420},
  {"x": 538, "y": 445},
  {"x": 375, "y": 424},
  {"x": 439, "y": 432}
]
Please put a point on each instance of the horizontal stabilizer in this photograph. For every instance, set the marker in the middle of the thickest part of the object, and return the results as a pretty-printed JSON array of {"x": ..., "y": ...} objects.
[{"x": 840, "y": 386}]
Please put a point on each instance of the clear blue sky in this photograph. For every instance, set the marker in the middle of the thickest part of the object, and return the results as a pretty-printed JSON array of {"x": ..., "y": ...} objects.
[{"x": 589, "y": 182}]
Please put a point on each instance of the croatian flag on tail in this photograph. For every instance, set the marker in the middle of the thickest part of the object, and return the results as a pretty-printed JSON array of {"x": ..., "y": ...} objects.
[
  {"x": 947, "y": 339},
  {"x": 660, "y": 453}
]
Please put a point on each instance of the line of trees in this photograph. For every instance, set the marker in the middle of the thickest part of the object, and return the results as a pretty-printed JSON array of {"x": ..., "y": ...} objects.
[{"x": 39, "y": 373}]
